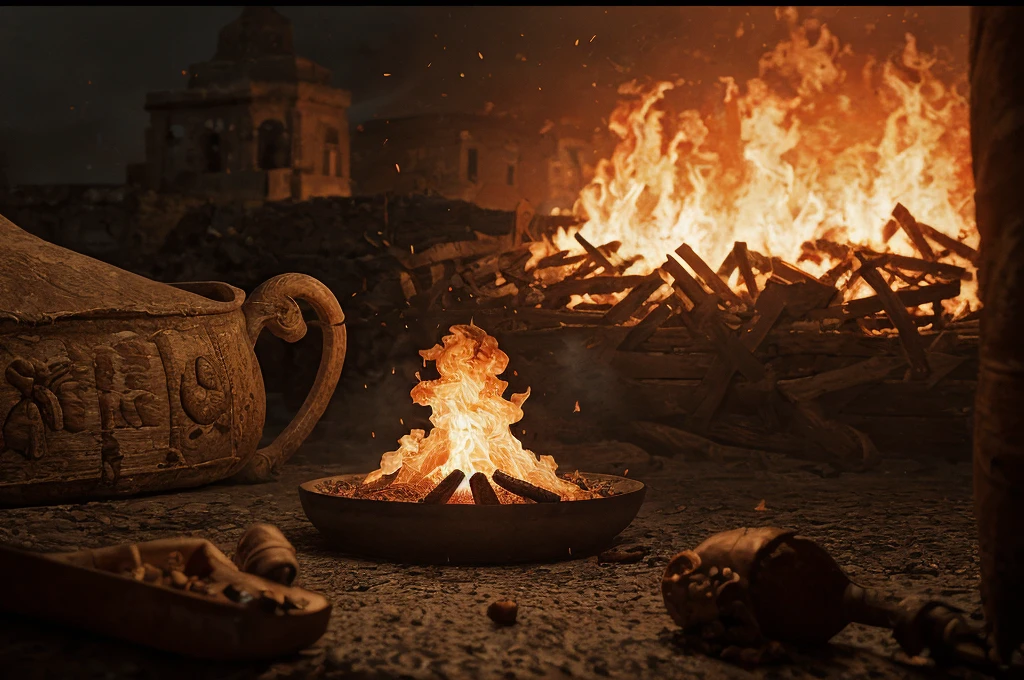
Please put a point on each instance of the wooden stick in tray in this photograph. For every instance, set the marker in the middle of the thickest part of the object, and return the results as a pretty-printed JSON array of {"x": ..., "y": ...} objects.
[
  {"x": 524, "y": 489},
  {"x": 443, "y": 491}
]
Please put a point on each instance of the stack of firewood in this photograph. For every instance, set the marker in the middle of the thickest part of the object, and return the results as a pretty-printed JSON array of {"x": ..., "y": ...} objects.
[
  {"x": 784, "y": 362},
  {"x": 793, "y": 366}
]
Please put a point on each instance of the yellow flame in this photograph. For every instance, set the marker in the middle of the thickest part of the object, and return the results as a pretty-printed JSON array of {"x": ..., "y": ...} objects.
[
  {"x": 808, "y": 150},
  {"x": 471, "y": 420}
]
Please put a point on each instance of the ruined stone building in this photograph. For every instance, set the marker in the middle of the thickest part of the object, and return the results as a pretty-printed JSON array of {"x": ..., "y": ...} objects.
[
  {"x": 493, "y": 161},
  {"x": 255, "y": 123}
]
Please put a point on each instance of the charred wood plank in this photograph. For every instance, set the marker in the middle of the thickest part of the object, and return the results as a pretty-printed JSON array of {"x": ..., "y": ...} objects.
[
  {"x": 949, "y": 398},
  {"x": 595, "y": 285},
  {"x": 443, "y": 492},
  {"x": 872, "y": 370},
  {"x": 899, "y": 316},
  {"x": 739, "y": 251},
  {"x": 728, "y": 265},
  {"x": 642, "y": 366},
  {"x": 483, "y": 492},
  {"x": 635, "y": 298},
  {"x": 790, "y": 273},
  {"x": 443, "y": 252},
  {"x": 597, "y": 255},
  {"x": 690, "y": 287},
  {"x": 949, "y": 243},
  {"x": 728, "y": 346},
  {"x": 524, "y": 489},
  {"x": 647, "y": 327},
  {"x": 769, "y": 308},
  {"x": 908, "y": 297},
  {"x": 913, "y": 230},
  {"x": 707, "y": 275},
  {"x": 559, "y": 259},
  {"x": 942, "y": 270},
  {"x": 832, "y": 276},
  {"x": 889, "y": 230}
]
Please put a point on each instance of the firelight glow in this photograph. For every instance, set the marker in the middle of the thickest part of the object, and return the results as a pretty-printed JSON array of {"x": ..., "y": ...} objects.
[
  {"x": 814, "y": 148},
  {"x": 471, "y": 420}
]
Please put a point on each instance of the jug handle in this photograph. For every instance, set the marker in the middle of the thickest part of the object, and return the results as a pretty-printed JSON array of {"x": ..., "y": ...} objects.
[{"x": 273, "y": 305}]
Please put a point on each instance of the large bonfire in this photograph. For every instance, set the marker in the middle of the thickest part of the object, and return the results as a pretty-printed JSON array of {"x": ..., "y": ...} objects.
[{"x": 813, "y": 151}]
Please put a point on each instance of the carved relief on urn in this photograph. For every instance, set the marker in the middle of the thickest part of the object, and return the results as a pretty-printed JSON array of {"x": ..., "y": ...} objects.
[{"x": 115, "y": 384}]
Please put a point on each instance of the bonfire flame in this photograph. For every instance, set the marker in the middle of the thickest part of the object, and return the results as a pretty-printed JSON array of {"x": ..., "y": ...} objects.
[
  {"x": 471, "y": 420},
  {"x": 814, "y": 148}
]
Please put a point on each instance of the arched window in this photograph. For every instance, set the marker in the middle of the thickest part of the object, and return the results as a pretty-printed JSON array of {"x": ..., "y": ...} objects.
[
  {"x": 273, "y": 145},
  {"x": 332, "y": 153}
]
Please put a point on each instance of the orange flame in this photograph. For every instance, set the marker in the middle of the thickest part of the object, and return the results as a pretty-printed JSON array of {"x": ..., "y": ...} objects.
[
  {"x": 471, "y": 420},
  {"x": 808, "y": 150}
]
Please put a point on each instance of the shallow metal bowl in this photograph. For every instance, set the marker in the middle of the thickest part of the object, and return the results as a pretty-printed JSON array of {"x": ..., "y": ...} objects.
[{"x": 471, "y": 534}]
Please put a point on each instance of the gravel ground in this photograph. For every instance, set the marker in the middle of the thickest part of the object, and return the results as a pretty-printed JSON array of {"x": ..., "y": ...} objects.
[{"x": 901, "y": 527}]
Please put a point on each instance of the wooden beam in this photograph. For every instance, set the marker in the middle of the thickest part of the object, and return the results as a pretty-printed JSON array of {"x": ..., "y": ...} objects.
[
  {"x": 900, "y": 318},
  {"x": 707, "y": 275},
  {"x": 908, "y": 297},
  {"x": 949, "y": 243},
  {"x": 635, "y": 298},
  {"x": 599, "y": 258},
  {"x": 788, "y": 272},
  {"x": 864, "y": 372},
  {"x": 910, "y": 226},
  {"x": 739, "y": 253},
  {"x": 641, "y": 332},
  {"x": 769, "y": 308},
  {"x": 690, "y": 287},
  {"x": 595, "y": 285}
]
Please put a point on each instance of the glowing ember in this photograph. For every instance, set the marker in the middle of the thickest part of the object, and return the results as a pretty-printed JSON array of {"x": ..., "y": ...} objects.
[
  {"x": 471, "y": 421},
  {"x": 814, "y": 148}
]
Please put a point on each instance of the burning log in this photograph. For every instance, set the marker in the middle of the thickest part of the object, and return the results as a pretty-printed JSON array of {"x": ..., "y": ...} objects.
[
  {"x": 378, "y": 484},
  {"x": 444, "y": 491},
  {"x": 483, "y": 492},
  {"x": 524, "y": 489}
]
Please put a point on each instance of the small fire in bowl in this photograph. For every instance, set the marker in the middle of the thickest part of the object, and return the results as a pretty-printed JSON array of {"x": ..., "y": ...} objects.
[{"x": 471, "y": 455}]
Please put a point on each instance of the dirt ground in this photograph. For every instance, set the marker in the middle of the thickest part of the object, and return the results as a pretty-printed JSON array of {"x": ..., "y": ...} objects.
[{"x": 904, "y": 527}]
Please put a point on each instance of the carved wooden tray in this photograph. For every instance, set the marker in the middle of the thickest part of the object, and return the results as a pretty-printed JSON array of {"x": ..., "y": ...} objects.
[
  {"x": 86, "y": 590},
  {"x": 472, "y": 534}
]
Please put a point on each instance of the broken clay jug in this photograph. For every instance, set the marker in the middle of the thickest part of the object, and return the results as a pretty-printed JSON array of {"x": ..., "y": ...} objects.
[{"x": 112, "y": 384}]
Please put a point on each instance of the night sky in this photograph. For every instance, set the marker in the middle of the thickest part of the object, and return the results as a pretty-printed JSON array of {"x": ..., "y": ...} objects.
[{"x": 74, "y": 79}]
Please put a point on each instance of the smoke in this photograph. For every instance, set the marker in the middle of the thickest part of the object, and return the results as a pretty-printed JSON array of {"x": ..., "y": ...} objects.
[{"x": 80, "y": 75}]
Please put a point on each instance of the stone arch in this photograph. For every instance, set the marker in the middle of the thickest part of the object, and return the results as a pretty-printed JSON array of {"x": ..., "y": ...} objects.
[{"x": 274, "y": 151}]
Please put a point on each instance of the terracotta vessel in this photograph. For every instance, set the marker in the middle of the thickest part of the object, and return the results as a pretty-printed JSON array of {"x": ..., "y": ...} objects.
[{"x": 112, "y": 384}]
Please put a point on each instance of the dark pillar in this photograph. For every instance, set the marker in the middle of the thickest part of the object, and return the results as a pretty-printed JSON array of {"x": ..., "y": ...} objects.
[{"x": 997, "y": 145}]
